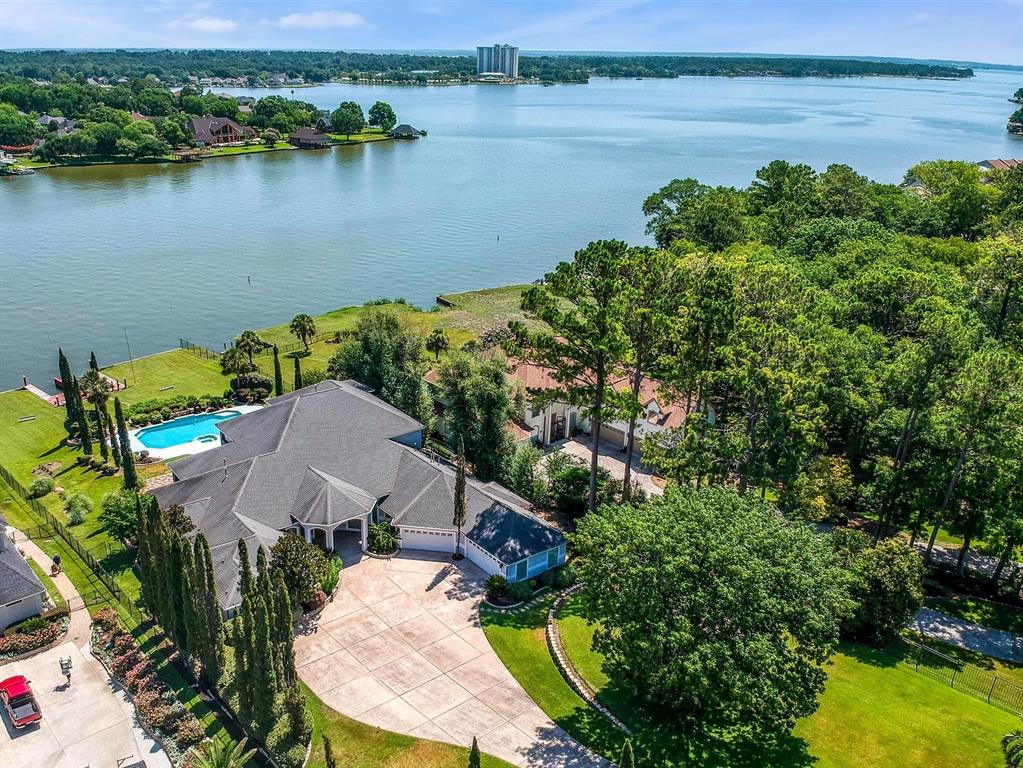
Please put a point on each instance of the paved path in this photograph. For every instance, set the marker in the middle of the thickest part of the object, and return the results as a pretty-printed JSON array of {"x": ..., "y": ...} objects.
[
  {"x": 612, "y": 459},
  {"x": 401, "y": 648},
  {"x": 965, "y": 634},
  {"x": 92, "y": 722}
]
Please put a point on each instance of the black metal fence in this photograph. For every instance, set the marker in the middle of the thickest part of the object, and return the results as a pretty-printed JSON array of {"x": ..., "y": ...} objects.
[
  {"x": 50, "y": 525},
  {"x": 198, "y": 350},
  {"x": 965, "y": 677},
  {"x": 295, "y": 346}
]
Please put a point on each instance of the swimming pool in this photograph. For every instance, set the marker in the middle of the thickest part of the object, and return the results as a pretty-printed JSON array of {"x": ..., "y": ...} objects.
[{"x": 201, "y": 427}]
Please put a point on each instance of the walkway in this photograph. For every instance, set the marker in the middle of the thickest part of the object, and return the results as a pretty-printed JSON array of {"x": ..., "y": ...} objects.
[
  {"x": 401, "y": 648},
  {"x": 612, "y": 458},
  {"x": 966, "y": 634},
  {"x": 91, "y": 723}
]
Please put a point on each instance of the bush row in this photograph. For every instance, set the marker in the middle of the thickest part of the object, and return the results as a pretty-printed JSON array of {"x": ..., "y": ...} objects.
[
  {"x": 35, "y": 632},
  {"x": 161, "y": 409},
  {"x": 157, "y": 705}
]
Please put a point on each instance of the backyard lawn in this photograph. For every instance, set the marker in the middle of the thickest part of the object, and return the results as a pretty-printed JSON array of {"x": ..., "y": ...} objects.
[
  {"x": 874, "y": 713},
  {"x": 181, "y": 371}
]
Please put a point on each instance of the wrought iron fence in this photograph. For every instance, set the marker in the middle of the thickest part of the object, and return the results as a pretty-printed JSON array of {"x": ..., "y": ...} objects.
[
  {"x": 198, "y": 350},
  {"x": 965, "y": 677},
  {"x": 49, "y": 524}
]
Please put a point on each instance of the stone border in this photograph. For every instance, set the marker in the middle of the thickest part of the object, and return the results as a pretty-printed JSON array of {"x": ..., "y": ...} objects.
[
  {"x": 386, "y": 556},
  {"x": 564, "y": 664},
  {"x": 515, "y": 606}
]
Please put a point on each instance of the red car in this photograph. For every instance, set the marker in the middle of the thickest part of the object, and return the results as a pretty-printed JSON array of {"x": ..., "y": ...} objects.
[{"x": 19, "y": 702}]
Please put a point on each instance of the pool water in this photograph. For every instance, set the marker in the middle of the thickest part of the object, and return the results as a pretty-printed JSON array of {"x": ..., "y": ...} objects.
[{"x": 202, "y": 427}]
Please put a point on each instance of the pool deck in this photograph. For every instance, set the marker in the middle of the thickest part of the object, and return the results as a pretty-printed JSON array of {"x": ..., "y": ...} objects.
[{"x": 182, "y": 449}]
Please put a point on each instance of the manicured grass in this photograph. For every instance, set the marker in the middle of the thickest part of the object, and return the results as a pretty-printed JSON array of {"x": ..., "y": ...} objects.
[
  {"x": 184, "y": 372},
  {"x": 984, "y": 612},
  {"x": 367, "y": 134},
  {"x": 1006, "y": 670},
  {"x": 56, "y": 598},
  {"x": 357, "y": 745},
  {"x": 249, "y": 149},
  {"x": 874, "y": 713}
]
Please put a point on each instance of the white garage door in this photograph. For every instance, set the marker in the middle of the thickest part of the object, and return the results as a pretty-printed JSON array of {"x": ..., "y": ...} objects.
[
  {"x": 612, "y": 435},
  {"x": 434, "y": 541}
]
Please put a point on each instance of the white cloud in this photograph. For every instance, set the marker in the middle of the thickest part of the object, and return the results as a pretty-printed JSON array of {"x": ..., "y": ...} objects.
[
  {"x": 211, "y": 24},
  {"x": 321, "y": 20}
]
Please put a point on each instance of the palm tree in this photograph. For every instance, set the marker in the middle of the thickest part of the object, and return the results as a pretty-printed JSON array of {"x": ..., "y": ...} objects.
[
  {"x": 1012, "y": 748},
  {"x": 437, "y": 342},
  {"x": 97, "y": 389},
  {"x": 249, "y": 343},
  {"x": 213, "y": 753},
  {"x": 304, "y": 327}
]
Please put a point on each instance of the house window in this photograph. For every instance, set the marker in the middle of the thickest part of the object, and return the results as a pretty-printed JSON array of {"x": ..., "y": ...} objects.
[
  {"x": 534, "y": 411},
  {"x": 521, "y": 568},
  {"x": 552, "y": 557}
]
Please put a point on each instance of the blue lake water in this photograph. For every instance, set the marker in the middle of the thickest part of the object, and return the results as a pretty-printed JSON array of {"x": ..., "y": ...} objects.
[
  {"x": 509, "y": 181},
  {"x": 184, "y": 429}
]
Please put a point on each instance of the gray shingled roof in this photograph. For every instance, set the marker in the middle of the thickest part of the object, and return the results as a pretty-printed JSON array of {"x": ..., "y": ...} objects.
[
  {"x": 17, "y": 579},
  {"x": 322, "y": 455}
]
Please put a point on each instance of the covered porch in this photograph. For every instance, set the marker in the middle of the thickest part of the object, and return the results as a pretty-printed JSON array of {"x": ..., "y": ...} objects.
[{"x": 341, "y": 535}]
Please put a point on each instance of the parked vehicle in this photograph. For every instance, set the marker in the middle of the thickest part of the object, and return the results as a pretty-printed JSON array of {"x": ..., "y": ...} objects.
[{"x": 16, "y": 696}]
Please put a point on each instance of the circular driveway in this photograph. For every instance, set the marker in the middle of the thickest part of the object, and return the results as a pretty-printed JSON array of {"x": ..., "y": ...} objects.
[{"x": 401, "y": 648}]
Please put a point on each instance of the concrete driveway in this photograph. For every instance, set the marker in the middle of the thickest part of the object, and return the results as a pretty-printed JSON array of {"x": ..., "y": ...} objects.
[
  {"x": 89, "y": 724},
  {"x": 611, "y": 458},
  {"x": 401, "y": 648}
]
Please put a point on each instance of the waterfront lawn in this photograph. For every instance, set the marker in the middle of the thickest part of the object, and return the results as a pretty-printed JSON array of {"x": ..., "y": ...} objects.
[
  {"x": 367, "y": 134},
  {"x": 359, "y": 745},
  {"x": 248, "y": 149},
  {"x": 984, "y": 612},
  {"x": 184, "y": 372},
  {"x": 873, "y": 714}
]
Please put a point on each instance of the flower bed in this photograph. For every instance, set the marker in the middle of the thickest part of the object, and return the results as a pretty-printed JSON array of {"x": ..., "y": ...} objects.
[
  {"x": 31, "y": 636},
  {"x": 158, "y": 708}
]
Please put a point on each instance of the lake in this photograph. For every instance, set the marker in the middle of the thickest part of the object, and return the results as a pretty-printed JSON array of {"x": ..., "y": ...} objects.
[{"x": 510, "y": 180}]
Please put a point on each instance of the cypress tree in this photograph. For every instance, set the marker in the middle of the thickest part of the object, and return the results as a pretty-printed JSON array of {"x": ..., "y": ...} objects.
[
  {"x": 264, "y": 688},
  {"x": 131, "y": 478},
  {"x": 83, "y": 422},
  {"x": 213, "y": 623},
  {"x": 278, "y": 376},
  {"x": 244, "y": 569},
  {"x": 328, "y": 753},
  {"x": 260, "y": 560},
  {"x": 298, "y": 715},
  {"x": 92, "y": 362},
  {"x": 240, "y": 677},
  {"x": 115, "y": 443},
  {"x": 145, "y": 558},
  {"x": 101, "y": 434},
  {"x": 285, "y": 632},
  {"x": 628, "y": 759},
  {"x": 193, "y": 631},
  {"x": 458, "y": 520},
  {"x": 298, "y": 373},
  {"x": 66, "y": 384},
  {"x": 474, "y": 754},
  {"x": 177, "y": 595}
]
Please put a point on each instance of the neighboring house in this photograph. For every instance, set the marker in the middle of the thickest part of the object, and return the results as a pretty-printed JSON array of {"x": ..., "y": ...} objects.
[
  {"x": 998, "y": 165},
  {"x": 60, "y": 125},
  {"x": 211, "y": 131},
  {"x": 558, "y": 420},
  {"x": 328, "y": 460},
  {"x": 406, "y": 131},
  {"x": 309, "y": 138},
  {"x": 21, "y": 592},
  {"x": 245, "y": 101}
]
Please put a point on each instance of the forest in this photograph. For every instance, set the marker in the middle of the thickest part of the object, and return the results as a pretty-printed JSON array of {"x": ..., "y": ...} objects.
[{"x": 321, "y": 66}]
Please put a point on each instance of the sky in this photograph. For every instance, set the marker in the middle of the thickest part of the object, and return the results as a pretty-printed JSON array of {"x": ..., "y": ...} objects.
[{"x": 966, "y": 30}]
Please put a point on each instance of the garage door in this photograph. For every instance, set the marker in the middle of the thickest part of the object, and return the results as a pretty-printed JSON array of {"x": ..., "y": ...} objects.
[
  {"x": 433, "y": 541},
  {"x": 612, "y": 435}
]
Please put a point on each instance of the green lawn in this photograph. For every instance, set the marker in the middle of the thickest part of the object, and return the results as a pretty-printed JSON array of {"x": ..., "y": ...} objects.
[
  {"x": 357, "y": 745},
  {"x": 985, "y": 612},
  {"x": 249, "y": 149},
  {"x": 183, "y": 372},
  {"x": 56, "y": 598},
  {"x": 874, "y": 713}
]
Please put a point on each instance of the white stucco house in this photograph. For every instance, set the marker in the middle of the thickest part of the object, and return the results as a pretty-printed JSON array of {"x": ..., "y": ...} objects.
[{"x": 327, "y": 461}]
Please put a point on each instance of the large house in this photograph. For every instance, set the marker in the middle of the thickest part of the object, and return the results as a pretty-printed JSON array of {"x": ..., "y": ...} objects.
[
  {"x": 328, "y": 460},
  {"x": 558, "y": 420},
  {"x": 309, "y": 138},
  {"x": 21, "y": 592},
  {"x": 211, "y": 131}
]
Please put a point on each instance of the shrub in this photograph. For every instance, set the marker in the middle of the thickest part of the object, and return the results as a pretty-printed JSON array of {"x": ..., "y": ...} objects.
[
  {"x": 188, "y": 731},
  {"x": 121, "y": 664},
  {"x": 562, "y": 577},
  {"x": 382, "y": 538},
  {"x": 250, "y": 381},
  {"x": 303, "y": 565},
  {"x": 118, "y": 514},
  {"x": 15, "y": 643},
  {"x": 78, "y": 506},
  {"x": 40, "y": 487},
  {"x": 497, "y": 587},
  {"x": 329, "y": 583},
  {"x": 30, "y": 625},
  {"x": 107, "y": 618},
  {"x": 314, "y": 376},
  {"x": 520, "y": 591}
]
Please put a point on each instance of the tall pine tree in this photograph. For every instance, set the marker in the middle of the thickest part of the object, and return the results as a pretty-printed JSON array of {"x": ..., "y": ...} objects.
[
  {"x": 628, "y": 760},
  {"x": 298, "y": 373},
  {"x": 83, "y": 422},
  {"x": 66, "y": 380},
  {"x": 115, "y": 443},
  {"x": 131, "y": 478},
  {"x": 213, "y": 657},
  {"x": 278, "y": 376},
  {"x": 264, "y": 688},
  {"x": 244, "y": 569},
  {"x": 458, "y": 519},
  {"x": 474, "y": 754},
  {"x": 92, "y": 362}
]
